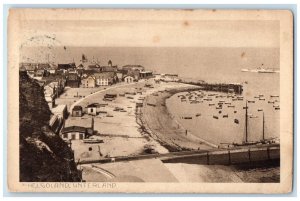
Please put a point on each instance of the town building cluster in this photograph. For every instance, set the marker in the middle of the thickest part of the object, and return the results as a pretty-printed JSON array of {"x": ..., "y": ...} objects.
[{"x": 55, "y": 78}]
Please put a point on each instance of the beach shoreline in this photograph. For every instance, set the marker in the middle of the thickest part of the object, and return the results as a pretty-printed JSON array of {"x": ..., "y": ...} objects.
[{"x": 158, "y": 122}]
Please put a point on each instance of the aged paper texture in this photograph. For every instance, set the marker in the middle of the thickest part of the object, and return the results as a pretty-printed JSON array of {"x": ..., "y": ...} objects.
[{"x": 150, "y": 101}]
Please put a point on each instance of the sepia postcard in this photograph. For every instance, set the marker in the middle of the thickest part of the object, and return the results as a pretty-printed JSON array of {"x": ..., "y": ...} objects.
[{"x": 150, "y": 101}]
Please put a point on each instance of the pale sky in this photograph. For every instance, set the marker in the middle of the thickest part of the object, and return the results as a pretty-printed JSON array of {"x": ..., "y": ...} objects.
[{"x": 151, "y": 33}]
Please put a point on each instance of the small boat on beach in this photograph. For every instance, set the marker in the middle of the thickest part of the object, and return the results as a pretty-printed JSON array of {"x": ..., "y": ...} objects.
[
  {"x": 262, "y": 99},
  {"x": 225, "y": 116},
  {"x": 277, "y": 108},
  {"x": 150, "y": 104},
  {"x": 231, "y": 106},
  {"x": 211, "y": 104},
  {"x": 236, "y": 121},
  {"x": 198, "y": 114},
  {"x": 274, "y": 96},
  {"x": 259, "y": 110},
  {"x": 271, "y": 102},
  {"x": 215, "y": 117},
  {"x": 187, "y": 117},
  {"x": 92, "y": 141},
  {"x": 251, "y": 101}
]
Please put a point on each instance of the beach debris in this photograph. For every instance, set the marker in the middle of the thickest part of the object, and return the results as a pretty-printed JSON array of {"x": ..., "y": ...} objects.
[{"x": 236, "y": 121}]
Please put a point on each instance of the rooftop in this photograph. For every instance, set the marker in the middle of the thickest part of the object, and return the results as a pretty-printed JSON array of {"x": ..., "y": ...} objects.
[
  {"x": 59, "y": 108},
  {"x": 73, "y": 129},
  {"x": 93, "y": 105},
  {"x": 77, "y": 107}
]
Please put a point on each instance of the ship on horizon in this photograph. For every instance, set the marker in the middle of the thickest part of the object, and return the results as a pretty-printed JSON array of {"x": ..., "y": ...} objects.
[{"x": 260, "y": 70}]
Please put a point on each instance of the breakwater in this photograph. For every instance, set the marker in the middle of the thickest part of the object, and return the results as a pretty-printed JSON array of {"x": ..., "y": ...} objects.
[{"x": 220, "y": 87}]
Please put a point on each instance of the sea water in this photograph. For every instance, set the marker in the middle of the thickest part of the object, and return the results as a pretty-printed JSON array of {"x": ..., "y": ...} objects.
[{"x": 210, "y": 64}]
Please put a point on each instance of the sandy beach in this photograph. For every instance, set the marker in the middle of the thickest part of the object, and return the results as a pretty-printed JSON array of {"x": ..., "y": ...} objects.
[
  {"x": 131, "y": 131},
  {"x": 163, "y": 127}
]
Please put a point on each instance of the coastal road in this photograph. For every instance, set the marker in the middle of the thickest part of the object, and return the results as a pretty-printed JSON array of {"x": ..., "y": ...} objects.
[{"x": 223, "y": 156}]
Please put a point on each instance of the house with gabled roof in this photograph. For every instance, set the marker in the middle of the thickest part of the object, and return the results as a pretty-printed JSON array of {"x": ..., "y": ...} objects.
[
  {"x": 88, "y": 81},
  {"x": 106, "y": 78}
]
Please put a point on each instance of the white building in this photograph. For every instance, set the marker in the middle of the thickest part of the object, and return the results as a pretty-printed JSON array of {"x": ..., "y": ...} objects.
[
  {"x": 128, "y": 79},
  {"x": 92, "y": 109}
]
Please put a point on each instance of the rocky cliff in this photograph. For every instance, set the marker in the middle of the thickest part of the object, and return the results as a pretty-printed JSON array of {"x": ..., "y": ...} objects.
[{"x": 44, "y": 156}]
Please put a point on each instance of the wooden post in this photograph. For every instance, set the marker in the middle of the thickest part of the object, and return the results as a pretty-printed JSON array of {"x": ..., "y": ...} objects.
[
  {"x": 249, "y": 155},
  {"x": 207, "y": 155},
  {"x": 268, "y": 151}
]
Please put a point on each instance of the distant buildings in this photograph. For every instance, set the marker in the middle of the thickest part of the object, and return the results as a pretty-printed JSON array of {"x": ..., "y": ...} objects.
[
  {"x": 76, "y": 133},
  {"x": 57, "y": 120},
  {"x": 77, "y": 111},
  {"x": 106, "y": 78},
  {"x": 52, "y": 90},
  {"x": 92, "y": 109},
  {"x": 136, "y": 71},
  {"x": 128, "y": 79},
  {"x": 133, "y": 67},
  {"x": 73, "y": 80},
  {"x": 89, "y": 82},
  {"x": 87, "y": 74},
  {"x": 66, "y": 67},
  {"x": 61, "y": 111}
]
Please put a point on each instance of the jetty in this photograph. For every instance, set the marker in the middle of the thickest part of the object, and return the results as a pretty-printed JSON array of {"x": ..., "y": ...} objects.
[{"x": 219, "y": 87}]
